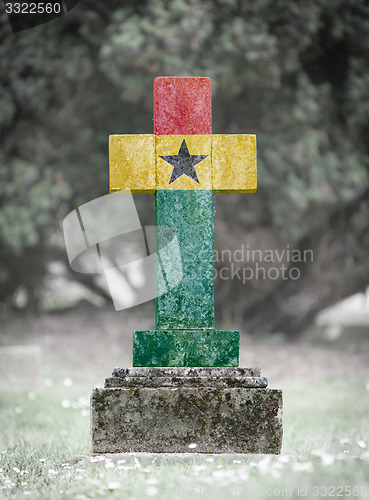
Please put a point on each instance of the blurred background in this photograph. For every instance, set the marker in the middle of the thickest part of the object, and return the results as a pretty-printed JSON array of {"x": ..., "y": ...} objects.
[{"x": 294, "y": 73}]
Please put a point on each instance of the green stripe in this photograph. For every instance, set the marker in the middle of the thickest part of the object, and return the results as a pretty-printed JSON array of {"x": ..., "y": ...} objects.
[
  {"x": 191, "y": 303},
  {"x": 185, "y": 348}
]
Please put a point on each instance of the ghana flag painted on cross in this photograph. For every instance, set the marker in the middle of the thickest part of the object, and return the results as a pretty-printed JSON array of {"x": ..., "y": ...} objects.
[
  {"x": 183, "y": 163},
  {"x": 182, "y": 153}
]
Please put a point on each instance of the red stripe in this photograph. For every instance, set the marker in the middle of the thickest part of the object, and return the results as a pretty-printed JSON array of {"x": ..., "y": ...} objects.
[{"x": 182, "y": 105}]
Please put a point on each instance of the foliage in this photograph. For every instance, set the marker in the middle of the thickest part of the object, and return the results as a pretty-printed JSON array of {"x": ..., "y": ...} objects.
[{"x": 296, "y": 74}]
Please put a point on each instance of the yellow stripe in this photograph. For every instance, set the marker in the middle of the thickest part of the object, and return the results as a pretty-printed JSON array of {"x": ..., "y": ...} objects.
[
  {"x": 230, "y": 165},
  {"x": 132, "y": 163},
  {"x": 234, "y": 163}
]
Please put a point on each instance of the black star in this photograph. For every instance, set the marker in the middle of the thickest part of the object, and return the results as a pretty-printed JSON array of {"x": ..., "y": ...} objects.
[{"x": 184, "y": 163}]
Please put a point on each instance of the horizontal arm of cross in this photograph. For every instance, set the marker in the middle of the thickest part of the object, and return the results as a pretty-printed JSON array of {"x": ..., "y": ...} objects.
[{"x": 147, "y": 162}]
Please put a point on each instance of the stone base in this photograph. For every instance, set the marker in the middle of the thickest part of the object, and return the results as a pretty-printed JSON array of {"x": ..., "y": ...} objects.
[
  {"x": 167, "y": 411},
  {"x": 186, "y": 347}
]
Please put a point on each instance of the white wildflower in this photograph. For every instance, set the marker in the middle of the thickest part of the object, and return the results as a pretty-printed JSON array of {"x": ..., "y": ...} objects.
[
  {"x": 361, "y": 444},
  {"x": 275, "y": 473},
  {"x": 318, "y": 453},
  {"x": 114, "y": 485},
  {"x": 83, "y": 401},
  {"x": 228, "y": 474},
  {"x": 327, "y": 460},
  {"x": 303, "y": 467},
  {"x": 152, "y": 491},
  {"x": 67, "y": 382},
  {"x": 340, "y": 456},
  {"x": 243, "y": 474},
  {"x": 199, "y": 467},
  {"x": 264, "y": 464},
  {"x": 192, "y": 446}
]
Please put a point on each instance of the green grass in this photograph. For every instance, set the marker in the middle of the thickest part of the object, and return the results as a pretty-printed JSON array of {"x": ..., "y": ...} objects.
[{"x": 323, "y": 424}]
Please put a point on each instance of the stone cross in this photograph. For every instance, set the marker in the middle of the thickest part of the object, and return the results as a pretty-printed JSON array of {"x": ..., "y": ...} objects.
[{"x": 183, "y": 163}]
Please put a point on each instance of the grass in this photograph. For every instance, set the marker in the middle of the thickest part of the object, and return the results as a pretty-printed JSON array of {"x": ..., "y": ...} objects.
[{"x": 325, "y": 451}]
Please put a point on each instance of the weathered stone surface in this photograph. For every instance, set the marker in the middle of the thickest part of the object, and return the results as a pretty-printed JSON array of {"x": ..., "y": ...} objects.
[
  {"x": 185, "y": 347},
  {"x": 186, "y": 377},
  {"x": 217, "y": 420},
  {"x": 182, "y": 105},
  {"x": 191, "y": 303},
  {"x": 234, "y": 163},
  {"x": 132, "y": 163},
  {"x": 252, "y": 382},
  {"x": 193, "y": 371}
]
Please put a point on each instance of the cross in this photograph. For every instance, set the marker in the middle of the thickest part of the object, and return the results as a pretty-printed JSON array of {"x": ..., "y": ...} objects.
[{"x": 183, "y": 163}]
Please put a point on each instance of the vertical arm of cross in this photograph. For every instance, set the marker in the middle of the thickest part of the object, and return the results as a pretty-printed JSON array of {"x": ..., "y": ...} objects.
[{"x": 182, "y": 107}]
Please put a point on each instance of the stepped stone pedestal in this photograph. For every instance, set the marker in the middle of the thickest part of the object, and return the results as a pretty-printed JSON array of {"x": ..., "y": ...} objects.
[{"x": 165, "y": 410}]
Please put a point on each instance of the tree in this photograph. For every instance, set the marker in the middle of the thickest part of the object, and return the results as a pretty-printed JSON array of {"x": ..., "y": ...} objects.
[{"x": 296, "y": 75}]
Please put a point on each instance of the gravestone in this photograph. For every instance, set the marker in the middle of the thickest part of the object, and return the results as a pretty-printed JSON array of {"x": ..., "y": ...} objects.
[{"x": 185, "y": 391}]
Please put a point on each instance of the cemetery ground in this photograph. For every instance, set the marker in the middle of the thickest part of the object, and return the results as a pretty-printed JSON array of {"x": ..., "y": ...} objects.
[{"x": 43, "y": 426}]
